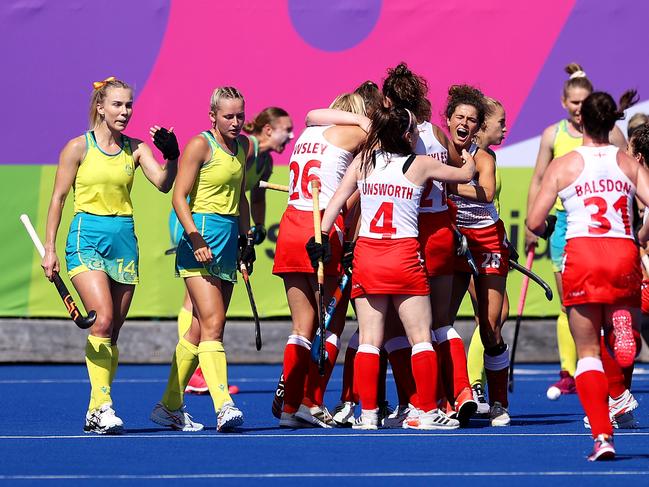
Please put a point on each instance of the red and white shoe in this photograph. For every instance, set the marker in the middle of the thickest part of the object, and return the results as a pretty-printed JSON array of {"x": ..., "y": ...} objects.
[
  {"x": 623, "y": 340},
  {"x": 197, "y": 384},
  {"x": 603, "y": 449},
  {"x": 465, "y": 406}
]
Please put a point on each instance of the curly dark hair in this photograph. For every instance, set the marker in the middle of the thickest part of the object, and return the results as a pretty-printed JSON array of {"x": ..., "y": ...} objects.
[
  {"x": 407, "y": 90},
  {"x": 465, "y": 95}
]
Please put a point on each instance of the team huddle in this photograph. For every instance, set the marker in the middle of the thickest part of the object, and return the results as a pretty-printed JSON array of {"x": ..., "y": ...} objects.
[{"x": 399, "y": 217}]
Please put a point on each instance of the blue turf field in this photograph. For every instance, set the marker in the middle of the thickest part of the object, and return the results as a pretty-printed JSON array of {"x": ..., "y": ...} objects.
[{"x": 42, "y": 440}]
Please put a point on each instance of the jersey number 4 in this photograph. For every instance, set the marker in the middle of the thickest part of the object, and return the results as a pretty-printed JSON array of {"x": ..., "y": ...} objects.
[
  {"x": 600, "y": 224},
  {"x": 300, "y": 185},
  {"x": 382, "y": 221}
]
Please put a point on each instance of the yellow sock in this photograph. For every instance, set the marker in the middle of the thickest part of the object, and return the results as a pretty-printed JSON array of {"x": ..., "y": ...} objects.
[
  {"x": 184, "y": 321},
  {"x": 567, "y": 348},
  {"x": 114, "y": 359},
  {"x": 211, "y": 356},
  {"x": 183, "y": 365},
  {"x": 475, "y": 358},
  {"x": 98, "y": 361}
]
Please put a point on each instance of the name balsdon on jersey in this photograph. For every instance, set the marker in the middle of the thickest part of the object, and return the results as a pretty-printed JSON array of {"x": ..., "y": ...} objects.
[
  {"x": 602, "y": 186},
  {"x": 387, "y": 189}
]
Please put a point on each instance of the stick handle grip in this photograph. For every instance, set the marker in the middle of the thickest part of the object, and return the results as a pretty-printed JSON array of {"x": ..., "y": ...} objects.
[
  {"x": 276, "y": 187},
  {"x": 317, "y": 224},
  {"x": 32, "y": 233}
]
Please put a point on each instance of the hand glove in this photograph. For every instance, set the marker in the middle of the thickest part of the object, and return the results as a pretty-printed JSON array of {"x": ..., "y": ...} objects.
[
  {"x": 513, "y": 253},
  {"x": 258, "y": 234},
  {"x": 247, "y": 251},
  {"x": 318, "y": 251},
  {"x": 348, "y": 256},
  {"x": 462, "y": 244},
  {"x": 167, "y": 143},
  {"x": 550, "y": 223}
]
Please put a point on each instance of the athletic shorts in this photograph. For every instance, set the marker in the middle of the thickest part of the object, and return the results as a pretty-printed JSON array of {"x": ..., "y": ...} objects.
[
  {"x": 295, "y": 230},
  {"x": 488, "y": 246},
  {"x": 221, "y": 233},
  {"x": 388, "y": 267},
  {"x": 175, "y": 228},
  {"x": 645, "y": 297},
  {"x": 601, "y": 270},
  {"x": 558, "y": 241},
  {"x": 103, "y": 243},
  {"x": 437, "y": 243}
]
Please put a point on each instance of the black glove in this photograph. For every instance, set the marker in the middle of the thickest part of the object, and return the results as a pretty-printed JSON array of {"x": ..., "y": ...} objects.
[
  {"x": 348, "y": 256},
  {"x": 513, "y": 253},
  {"x": 258, "y": 234},
  {"x": 167, "y": 143},
  {"x": 318, "y": 251},
  {"x": 550, "y": 223},
  {"x": 247, "y": 251}
]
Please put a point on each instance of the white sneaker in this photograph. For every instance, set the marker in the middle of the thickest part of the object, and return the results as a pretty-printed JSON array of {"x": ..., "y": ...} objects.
[
  {"x": 368, "y": 420},
  {"x": 435, "y": 419},
  {"x": 623, "y": 404},
  {"x": 177, "y": 420},
  {"x": 479, "y": 397},
  {"x": 620, "y": 411},
  {"x": 290, "y": 420},
  {"x": 398, "y": 416},
  {"x": 343, "y": 414},
  {"x": 498, "y": 415},
  {"x": 412, "y": 419},
  {"x": 229, "y": 417},
  {"x": 103, "y": 421},
  {"x": 317, "y": 415}
]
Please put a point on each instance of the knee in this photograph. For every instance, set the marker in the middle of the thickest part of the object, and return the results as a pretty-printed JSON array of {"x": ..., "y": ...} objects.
[{"x": 103, "y": 326}]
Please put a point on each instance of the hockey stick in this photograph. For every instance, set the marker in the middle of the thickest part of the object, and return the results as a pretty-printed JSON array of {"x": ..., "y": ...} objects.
[
  {"x": 464, "y": 250},
  {"x": 329, "y": 313},
  {"x": 81, "y": 321},
  {"x": 526, "y": 272},
  {"x": 317, "y": 228},
  {"x": 246, "y": 279},
  {"x": 521, "y": 306},
  {"x": 276, "y": 187}
]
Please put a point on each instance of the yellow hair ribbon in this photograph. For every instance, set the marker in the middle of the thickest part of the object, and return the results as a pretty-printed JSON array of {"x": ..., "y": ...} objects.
[{"x": 99, "y": 84}]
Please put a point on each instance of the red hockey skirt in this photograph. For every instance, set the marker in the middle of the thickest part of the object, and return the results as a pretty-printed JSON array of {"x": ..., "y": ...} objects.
[
  {"x": 388, "y": 266},
  {"x": 437, "y": 243},
  {"x": 295, "y": 230},
  {"x": 601, "y": 270}
]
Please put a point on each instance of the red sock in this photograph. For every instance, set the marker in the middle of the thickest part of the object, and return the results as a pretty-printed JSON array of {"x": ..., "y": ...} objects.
[
  {"x": 366, "y": 375},
  {"x": 347, "y": 393},
  {"x": 316, "y": 384},
  {"x": 613, "y": 371},
  {"x": 400, "y": 361},
  {"x": 296, "y": 364},
  {"x": 592, "y": 389},
  {"x": 424, "y": 370},
  {"x": 452, "y": 359}
]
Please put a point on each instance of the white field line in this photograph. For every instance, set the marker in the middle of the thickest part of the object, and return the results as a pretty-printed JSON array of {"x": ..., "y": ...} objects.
[
  {"x": 237, "y": 436},
  {"x": 279, "y": 475}
]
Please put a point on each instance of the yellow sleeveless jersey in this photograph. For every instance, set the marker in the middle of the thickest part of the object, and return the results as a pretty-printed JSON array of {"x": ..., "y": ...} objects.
[
  {"x": 103, "y": 182},
  {"x": 218, "y": 185},
  {"x": 564, "y": 143}
]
